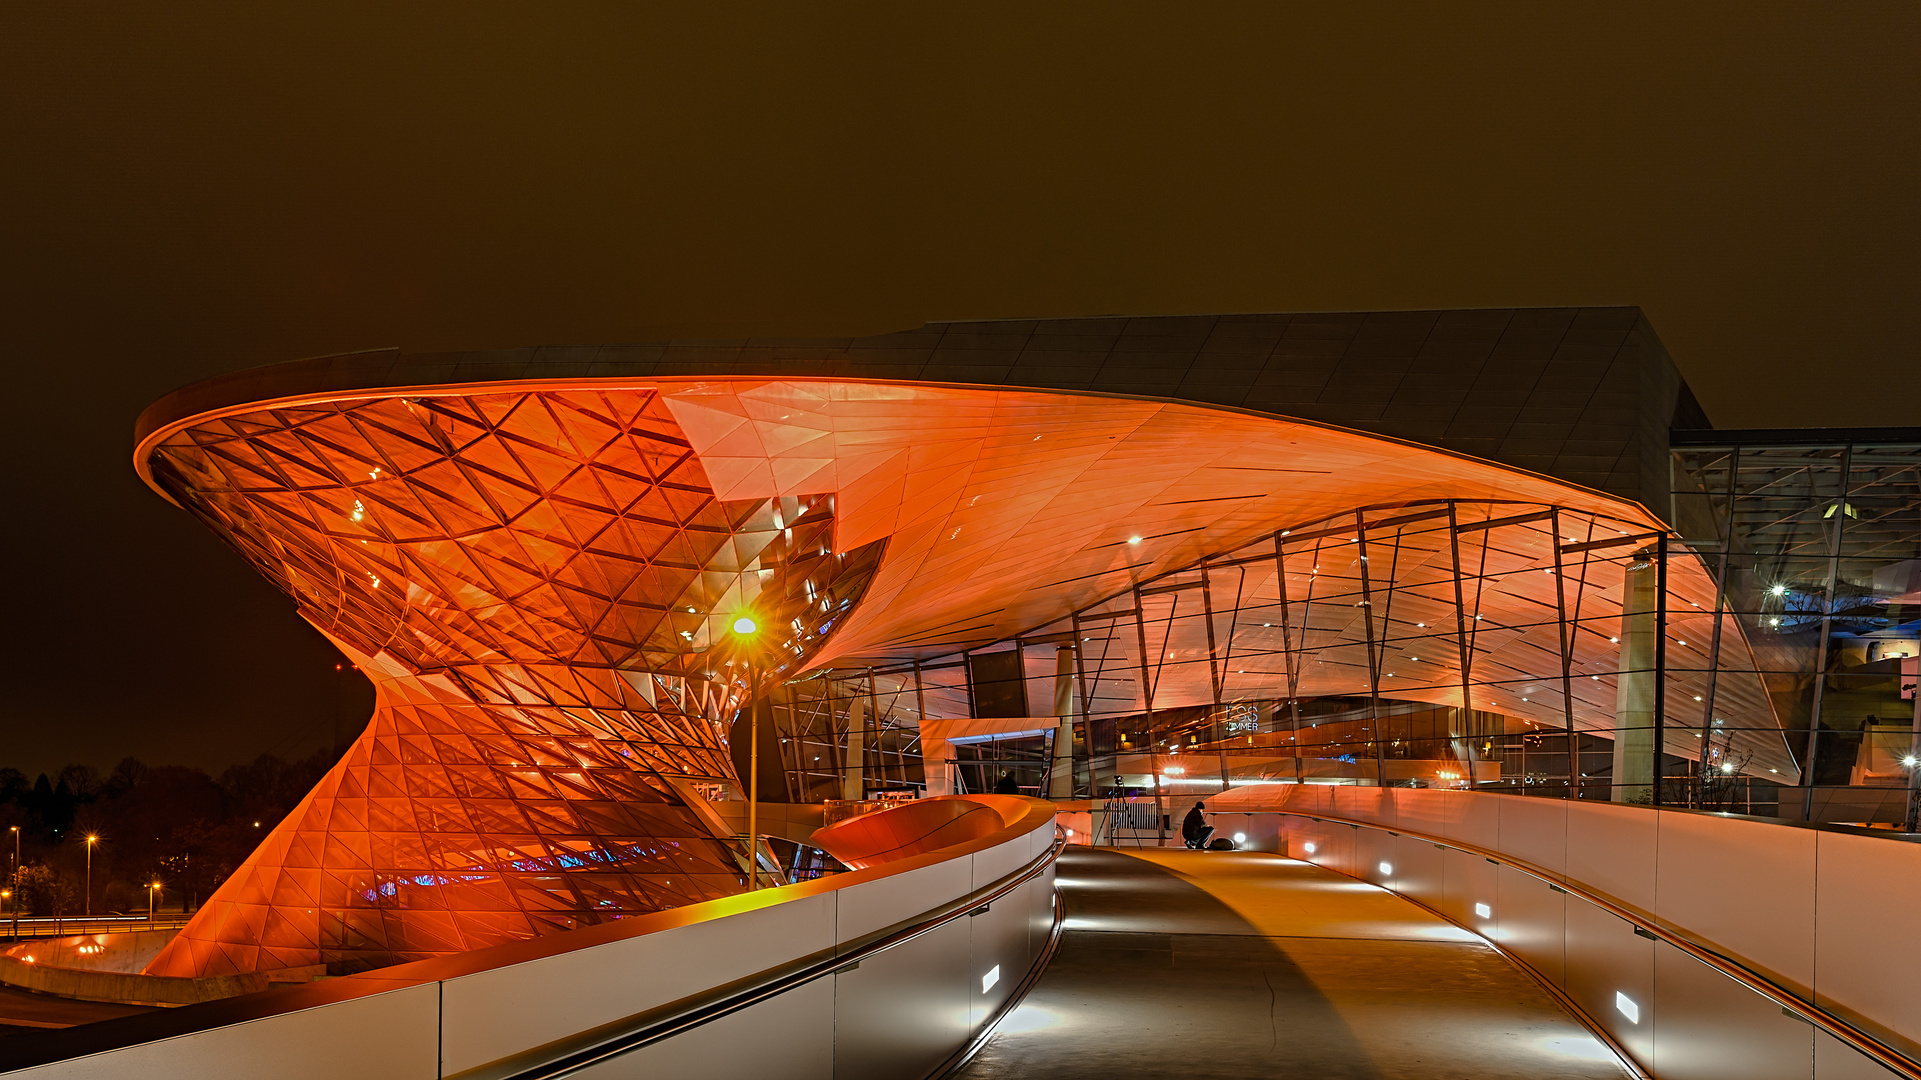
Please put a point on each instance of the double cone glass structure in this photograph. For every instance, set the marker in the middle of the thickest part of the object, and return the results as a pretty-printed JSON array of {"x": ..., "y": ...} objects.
[{"x": 1199, "y": 532}]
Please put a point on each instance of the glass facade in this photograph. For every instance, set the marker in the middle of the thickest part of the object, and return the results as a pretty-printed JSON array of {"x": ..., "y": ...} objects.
[
  {"x": 1819, "y": 549},
  {"x": 1509, "y": 647}
]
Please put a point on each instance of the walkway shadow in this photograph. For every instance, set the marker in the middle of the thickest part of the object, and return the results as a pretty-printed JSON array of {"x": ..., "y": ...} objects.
[{"x": 1129, "y": 994}]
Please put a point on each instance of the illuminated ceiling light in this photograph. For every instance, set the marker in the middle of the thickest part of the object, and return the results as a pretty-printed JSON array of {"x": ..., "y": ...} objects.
[
  {"x": 1387, "y": 868},
  {"x": 1133, "y": 539},
  {"x": 1727, "y": 768},
  {"x": 1616, "y": 640},
  {"x": 1240, "y": 838},
  {"x": 744, "y": 626},
  {"x": 1907, "y": 761},
  {"x": 1778, "y": 590},
  {"x": 691, "y": 611}
]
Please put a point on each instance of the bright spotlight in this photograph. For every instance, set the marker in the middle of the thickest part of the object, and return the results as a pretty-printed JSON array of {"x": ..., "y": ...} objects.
[{"x": 744, "y": 626}]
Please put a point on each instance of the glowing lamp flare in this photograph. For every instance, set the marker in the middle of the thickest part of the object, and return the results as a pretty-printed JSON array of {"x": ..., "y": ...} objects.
[{"x": 745, "y": 626}]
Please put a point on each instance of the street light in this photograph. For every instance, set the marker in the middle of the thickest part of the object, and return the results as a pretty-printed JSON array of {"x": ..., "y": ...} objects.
[
  {"x": 153, "y": 890},
  {"x": 92, "y": 839},
  {"x": 744, "y": 628}
]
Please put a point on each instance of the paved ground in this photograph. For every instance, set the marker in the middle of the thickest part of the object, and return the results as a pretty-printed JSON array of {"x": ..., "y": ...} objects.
[
  {"x": 1239, "y": 964},
  {"x": 21, "y": 1012}
]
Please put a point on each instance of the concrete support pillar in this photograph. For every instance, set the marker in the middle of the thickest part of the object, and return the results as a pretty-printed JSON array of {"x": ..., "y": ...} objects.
[
  {"x": 1060, "y": 778},
  {"x": 1635, "y": 688},
  {"x": 1911, "y": 686},
  {"x": 853, "y": 773}
]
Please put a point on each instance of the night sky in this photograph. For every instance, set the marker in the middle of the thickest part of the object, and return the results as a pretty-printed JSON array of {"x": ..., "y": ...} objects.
[{"x": 193, "y": 188}]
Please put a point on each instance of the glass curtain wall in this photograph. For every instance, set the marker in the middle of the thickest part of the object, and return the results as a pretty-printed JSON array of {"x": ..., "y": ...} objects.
[
  {"x": 1501, "y": 646},
  {"x": 1819, "y": 550},
  {"x": 1761, "y": 658}
]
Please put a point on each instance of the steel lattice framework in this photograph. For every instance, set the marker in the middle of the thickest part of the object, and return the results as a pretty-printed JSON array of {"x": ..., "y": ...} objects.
[{"x": 535, "y": 582}]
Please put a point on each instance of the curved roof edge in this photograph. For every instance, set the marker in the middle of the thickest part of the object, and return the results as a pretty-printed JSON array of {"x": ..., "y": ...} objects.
[{"x": 1585, "y": 395}]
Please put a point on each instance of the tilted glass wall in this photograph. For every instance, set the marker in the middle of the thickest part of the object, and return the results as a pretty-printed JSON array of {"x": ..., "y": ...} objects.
[
  {"x": 1502, "y": 646},
  {"x": 1819, "y": 547},
  {"x": 1499, "y": 645}
]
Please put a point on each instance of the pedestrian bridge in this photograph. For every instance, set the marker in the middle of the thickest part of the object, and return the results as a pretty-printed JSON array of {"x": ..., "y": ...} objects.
[{"x": 1362, "y": 932}]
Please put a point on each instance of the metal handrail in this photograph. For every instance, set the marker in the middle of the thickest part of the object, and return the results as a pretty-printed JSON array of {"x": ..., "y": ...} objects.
[
  {"x": 568, "y": 1056},
  {"x": 1862, "y": 1042},
  {"x": 32, "y": 927}
]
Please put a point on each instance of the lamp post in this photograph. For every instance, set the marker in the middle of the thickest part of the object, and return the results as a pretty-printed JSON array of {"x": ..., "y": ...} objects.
[
  {"x": 92, "y": 839},
  {"x": 6, "y": 897},
  {"x": 153, "y": 891},
  {"x": 744, "y": 628},
  {"x": 13, "y": 882}
]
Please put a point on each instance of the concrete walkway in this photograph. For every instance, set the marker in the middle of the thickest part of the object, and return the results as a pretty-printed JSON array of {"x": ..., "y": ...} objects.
[{"x": 1239, "y": 964}]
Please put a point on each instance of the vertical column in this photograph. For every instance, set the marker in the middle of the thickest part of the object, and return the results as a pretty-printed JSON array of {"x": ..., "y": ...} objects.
[
  {"x": 1465, "y": 728},
  {"x": 1840, "y": 514},
  {"x": 1060, "y": 777},
  {"x": 1911, "y": 684},
  {"x": 1288, "y": 655},
  {"x": 853, "y": 772},
  {"x": 1373, "y": 661},
  {"x": 1635, "y": 687},
  {"x": 1566, "y": 632},
  {"x": 1153, "y": 734}
]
